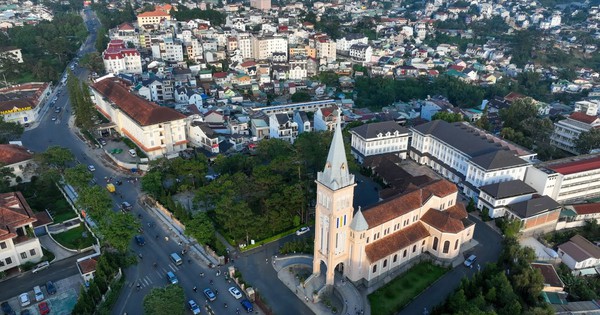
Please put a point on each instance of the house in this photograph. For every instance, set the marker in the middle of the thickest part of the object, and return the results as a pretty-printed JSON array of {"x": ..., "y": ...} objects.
[
  {"x": 214, "y": 117},
  {"x": 281, "y": 126},
  {"x": 259, "y": 128},
  {"x": 11, "y": 52},
  {"x": 154, "y": 18},
  {"x": 301, "y": 119},
  {"x": 537, "y": 215},
  {"x": 326, "y": 118},
  {"x": 87, "y": 267},
  {"x": 552, "y": 282},
  {"x": 202, "y": 136},
  {"x": 18, "y": 243},
  {"x": 379, "y": 138},
  {"x": 158, "y": 131},
  {"x": 22, "y": 103},
  {"x": 586, "y": 211},
  {"x": 19, "y": 161},
  {"x": 371, "y": 244},
  {"x": 494, "y": 198},
  {"x": 120, "y": 59},
  {"x": 580, "y": 255},
  {"x": 567, "y": 131}
]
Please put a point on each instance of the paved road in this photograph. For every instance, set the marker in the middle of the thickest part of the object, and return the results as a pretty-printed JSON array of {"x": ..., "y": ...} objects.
[
  {"x": 487, "y": 251},
  {"x": 27, "y": 280}
]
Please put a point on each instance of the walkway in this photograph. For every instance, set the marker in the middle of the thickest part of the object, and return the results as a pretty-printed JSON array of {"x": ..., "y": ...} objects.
[
  {"x": 59, "y": 252},
  {"x": 351, "y": 299}
]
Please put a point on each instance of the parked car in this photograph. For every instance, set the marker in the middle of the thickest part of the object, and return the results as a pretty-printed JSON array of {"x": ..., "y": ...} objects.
[
  {"x": 235, "y": 292},
  {"x": 91, "y": 168},
  {"x": 126, "y": 206},
  {"x": 132, "y": 153},
  {"x": 194, "y": 307},
  {"x": 24, "y": 299},
  {"x": 210, "y": 295},
  {"x": 25, "y": 312},
  {"x": 247, "y": 305},
  {"x": 140, "y": 240},
  {"x": 39, "y": 295},
  {"x": 57, "y": 109},
  {"x": 302, "y": 230},
  {"x": 41, "y": 266},
  {"x": 102, "y": 141},
  {"x": 469, "y": 261},
  {"x": 50, "y": 287},
  {"x": 44, "y": 309},
  {"x": 7, "y": 309},
  {"x": 172, "y": 278}
]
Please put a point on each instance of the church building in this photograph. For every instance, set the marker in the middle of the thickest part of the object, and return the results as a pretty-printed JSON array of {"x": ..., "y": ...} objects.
[{"x": 369, "y": 243}]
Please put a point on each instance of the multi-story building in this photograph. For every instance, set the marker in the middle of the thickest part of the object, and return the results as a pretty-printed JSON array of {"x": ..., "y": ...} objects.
[
  {"x": 263, "y": 47},
  {"x": 343, "y": 44},
  {"x": 259, "y": 128},
  {"x": 494, "y": 198},
  {"x": 467, "y": 155},
  {"x": 379, "y": 138},
  {"x": 567, "y": 180},
  {"x": 361, "y": 53},
  {"x": 127, "y": 33},
  {"x": 18, "y": 243},
  {"x": 282, "y": 126},
  {"x": 194, "y": 50},
  {"x": 566, "y": 131},
  {"x": 264, "y": 5},
  {"x": 373, "y": 243},
  {"x": 168, "y": 49},
  {"x": 202, "y": 136},
  {"x": 325, "y": 47},
  {"x": 19, "y": 162},
  {"x": 326, "y": 118},
  {"x": 120, "y": 59},
  {"x": 297, "y": 68},
  {"x": 154, "y": 18},
  {"x": 245, "y": 46},
  {"x": 157, "y": 130},
  {"x": 22, "y": 103}
]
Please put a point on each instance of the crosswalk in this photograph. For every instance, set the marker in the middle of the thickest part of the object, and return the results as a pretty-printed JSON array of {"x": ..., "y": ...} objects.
[{"x": 156, "y": 278}]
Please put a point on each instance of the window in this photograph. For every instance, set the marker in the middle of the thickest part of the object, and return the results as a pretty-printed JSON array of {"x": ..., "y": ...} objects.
[
  {"x": 456, "y": 245},
  {"x": 385, "y": 263},
  {"x": 374, "y": 268},
  {"x": 395, "y": 258},
  {"x": 446, "y": 247},
  {"x": 3, "y": 245},
  {"x": 414, "y": 248},
  {"x": 404, "y": 255},
  {"x": 23, "y": 255},
  {"x": 8, "y": 260},
  {"x": 435, "y": 243}
]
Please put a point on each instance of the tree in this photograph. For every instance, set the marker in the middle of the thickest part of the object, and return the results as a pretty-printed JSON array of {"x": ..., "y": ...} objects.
[
  {"x": 93, "y": 62},
  {"x": 55, "y": 157},
  {"x": 9, "y": 130},
  {"x": 96, "y": 201},
  {"x": 167, "y": 300},
  {"x": 152, "y": 183},
  {"x": 5, "y": 178},
  {"x": 117, "y": 229},
  {"x": 588, "y": 141},
  {"x": 447, "y": 116},
  {"x": 79, "y": 177},
  {"x": 201, "y": 228},
  {"x": 299, "y": 97}
]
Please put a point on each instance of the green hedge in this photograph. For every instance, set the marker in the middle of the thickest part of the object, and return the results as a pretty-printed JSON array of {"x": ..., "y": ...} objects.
[{"x": 132, "y": 145}]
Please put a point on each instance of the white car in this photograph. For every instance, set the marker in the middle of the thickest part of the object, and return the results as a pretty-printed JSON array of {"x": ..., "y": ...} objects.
[
  {"x": 41, "y": 266},
  {"x": 39, "y": 295},
  {"x": 24, "y": 299},
  {"x": 235, "y": 292},
  {"x": 302, "y": 230},
  {"x": 91, "y": 168}
]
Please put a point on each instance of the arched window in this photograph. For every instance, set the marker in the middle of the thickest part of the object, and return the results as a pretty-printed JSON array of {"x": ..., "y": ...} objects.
[
  {"x": 385, "y": 263},
  {"x": 446, "y": 247},
  {"x": 435, "y": 243},
  {"x": 456, "y": 245},
  {"x": 395, "y": 258},
  {"x": 374, "y": 268},
  {"x": 404, "y": 255},
  {"x": 414, "y": 248}
]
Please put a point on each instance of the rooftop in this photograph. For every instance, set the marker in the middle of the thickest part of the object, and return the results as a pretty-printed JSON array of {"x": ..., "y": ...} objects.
[
  {"x": 533, "y": 207},
  {"x": 368, "y": 131},
  {"x": 507, "y": 189},
  {"x": 12, "y": 153},
  {"x": 14, "y": 213}
]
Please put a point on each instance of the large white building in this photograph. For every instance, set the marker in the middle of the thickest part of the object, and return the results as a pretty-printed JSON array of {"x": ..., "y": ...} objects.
[
  {"x": 326, "y": 47},
  {"x": 154, "y": 18},
  {"x": 18, "y": 244},
  {"x": 467, "y": 155},
  {"x": 120, "y": 59},
  {"x": 566, "y": 131},
  {"x": 157, "y": 130},
  {"x": 23, "y": 103},
  {"x": 282, "y": 126},
  {"x": 379, "y": 138},
  {"x": 168, "y": 49},
  {"x": 263, "y": 47},
  {"x": 361, "y": 53},
  {"x": 370, "y": 244},
  {"x": 344, "y": 43},
  {"x": 567, "y": 180}
]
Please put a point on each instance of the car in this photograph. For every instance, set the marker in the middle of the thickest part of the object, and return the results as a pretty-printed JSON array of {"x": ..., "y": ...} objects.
[
  {"x": 7, "y": 309},
  {"x": 24, "y": 299},
  {"x": 247, "y": 305},
  {"x": 41, "y": 266},
  {"x": 126, "y": 206},
  {"x": 194, "y": 307},
  {"x": 91, "y": 168},
  {"x": 140, "y": 240},
  {"x": 469, "y": 261},
  {"x": 53, "y": 118},
  {"x": 57, "y": 109},
  {"x": 102, "y": 141},
  {"x": 302, "y": 230},
  {"x": 39, "y": 295},
  {"x": 25, "y": 312},
  {"x": 235, "y": 292},
  {"x": 210, "y": 295},
  {"x": 132, "y": 153},
  {"x": 171, "y": 277},
  {"x": 50, "y": 287},
  {"x": 44, "y": 309}
]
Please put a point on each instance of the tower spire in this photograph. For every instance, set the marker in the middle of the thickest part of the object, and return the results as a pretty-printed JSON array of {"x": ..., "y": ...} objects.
[{"x": 336, "y": 174}]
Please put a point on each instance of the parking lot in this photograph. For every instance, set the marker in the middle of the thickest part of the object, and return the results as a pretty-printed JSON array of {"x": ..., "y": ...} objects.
[{"x": 61, "y": 303}]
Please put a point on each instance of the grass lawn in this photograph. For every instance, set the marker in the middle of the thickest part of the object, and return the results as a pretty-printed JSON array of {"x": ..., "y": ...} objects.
[
  {"x": 74, "y": 238},
  {"x": 392, "y": 297},
  {"x": 64, "y": 216}
]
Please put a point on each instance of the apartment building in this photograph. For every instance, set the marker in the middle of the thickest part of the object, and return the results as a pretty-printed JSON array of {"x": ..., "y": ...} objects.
[
  {"x": 282, "y": 126},
  {"x": 468, "y": 156},
  {"x": 567, "y": 180},
  {"x": 153, "y": 19},
  {"x": 168, "y": 49},
  {"x": 158, "y": 131},
  {"x": 566, "y": 131},
  {"x": 343, "y": 44},
  {"x": 326, "y": 48},
  {"x": 120, "y": 59},
  {"x": 264, "y": 5},
  {"x": 361, "y": 53},
  {"x": 379, "y": 138},
  {"x": 127, "y": 33},
  {"x": 263, "y": 47}
]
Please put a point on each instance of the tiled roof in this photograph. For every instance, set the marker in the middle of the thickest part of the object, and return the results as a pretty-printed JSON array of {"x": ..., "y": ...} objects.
[
  {"x": 513, "y": 96},
  {"x": 582, "y": 117},
  {"x": 153, "y": 13},
  {"x": 507, "y": 189},
  {"x": 140, "y": 110},
  {"x": 576, "y": 166},
  {"x": 587, "y": 208},
  {"x": 395, "y": 242},
  {"x": 551, "y": 278},
  {"x": 534, "y": 206},
  {"x": 369, "y": 131},
  {"x": 88, "y": 265},
  {"x": 498, "y": 159},
  {"x": 12, "y": 153},
  {"x": 580, "y": 248},
  {"x": 444, "y": 221},
  {"x": 14, "y": 212},
  {"x": 126, "y": 27},
  {"x": 394, "y": 207}
]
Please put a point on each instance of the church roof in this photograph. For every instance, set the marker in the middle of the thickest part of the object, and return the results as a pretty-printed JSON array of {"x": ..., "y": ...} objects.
[
  {"x": 336, "y": 174},
  {"x": 449, "y": 221},
  {"x": 396, "y": 241},
  {"x": 358, "y": 222}
]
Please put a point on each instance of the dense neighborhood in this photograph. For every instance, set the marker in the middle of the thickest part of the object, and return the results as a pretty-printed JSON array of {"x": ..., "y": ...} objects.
[{"x": 434, "y": 157}]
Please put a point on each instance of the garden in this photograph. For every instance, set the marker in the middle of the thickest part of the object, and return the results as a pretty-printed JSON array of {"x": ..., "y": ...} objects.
[{"x": 76, "y": 238}]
